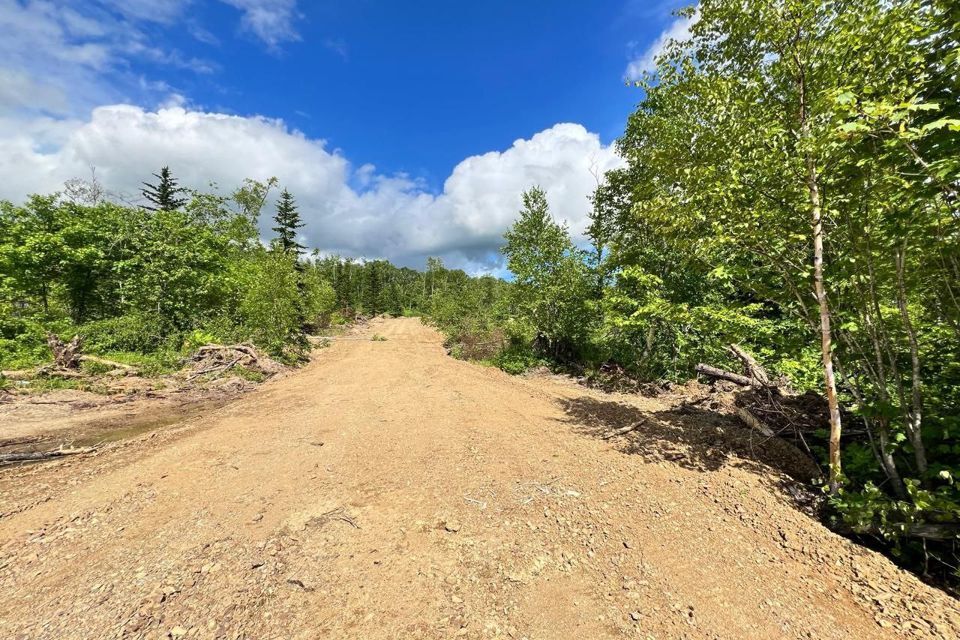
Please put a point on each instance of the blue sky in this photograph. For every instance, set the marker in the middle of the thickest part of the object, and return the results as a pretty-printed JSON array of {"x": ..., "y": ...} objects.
[{"x": 406, "y": 128}]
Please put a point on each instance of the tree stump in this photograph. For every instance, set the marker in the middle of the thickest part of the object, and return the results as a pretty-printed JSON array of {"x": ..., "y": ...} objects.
[{"x": 66, "y": 355}]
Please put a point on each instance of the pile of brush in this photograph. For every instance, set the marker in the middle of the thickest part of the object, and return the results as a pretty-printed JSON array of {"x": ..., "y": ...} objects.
[{"x": 214, "y": 360}]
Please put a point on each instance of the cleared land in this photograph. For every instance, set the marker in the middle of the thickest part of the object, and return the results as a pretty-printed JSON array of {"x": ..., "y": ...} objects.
[{"x": 389, "y": 491}]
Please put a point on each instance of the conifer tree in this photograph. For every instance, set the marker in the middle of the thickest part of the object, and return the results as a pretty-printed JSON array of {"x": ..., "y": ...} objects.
[
  {"x": 288, "y": 221},
  {"x": 163, "y": 196}
]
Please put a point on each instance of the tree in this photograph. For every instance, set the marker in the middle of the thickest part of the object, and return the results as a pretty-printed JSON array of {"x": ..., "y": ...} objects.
[
  {"x": 552, "y": 280},
  {"x": 802, "y": 156},
  {"x": 163, "y": 196},
  {"x": 287, "y": 220}
]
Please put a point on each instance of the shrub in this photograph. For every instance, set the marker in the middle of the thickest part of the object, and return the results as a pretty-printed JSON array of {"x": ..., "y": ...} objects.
[{"x": 137, "y": 333}]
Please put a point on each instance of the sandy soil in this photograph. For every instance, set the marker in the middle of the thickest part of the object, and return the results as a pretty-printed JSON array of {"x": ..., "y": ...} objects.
[{"x": 389, "y": 491}]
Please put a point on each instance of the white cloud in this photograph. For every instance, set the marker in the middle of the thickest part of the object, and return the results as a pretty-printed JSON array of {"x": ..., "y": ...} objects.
[
  {"x": 77, "y": 55},
  {"x": 679, "y": 31},
  {"x": 59, "y": 62},
  {"x": 67, "y": 57},
  {"x": 272, "y": 21},
  {"x": 19, "y": 91},
  {"x": 381, "y": 216},
  {"x": 162, "y": 11}
]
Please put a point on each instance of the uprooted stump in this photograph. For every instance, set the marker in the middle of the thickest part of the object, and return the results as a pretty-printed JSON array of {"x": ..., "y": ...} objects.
[
  {"x": 66, "y": 355},
  {"x": 214, "y": 360}
]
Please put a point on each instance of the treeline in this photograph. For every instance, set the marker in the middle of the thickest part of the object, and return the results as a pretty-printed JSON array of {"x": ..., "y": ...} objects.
[
  {"x": 792, "y": 184},
  {"x": 151, "y": 282},
  {"x": 458, "y": 302}
]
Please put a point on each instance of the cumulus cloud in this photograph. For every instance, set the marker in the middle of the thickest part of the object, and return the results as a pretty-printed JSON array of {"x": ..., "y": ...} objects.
[
  {"x": 677, "y": 31},
  {"x": 350, "y": 210}
]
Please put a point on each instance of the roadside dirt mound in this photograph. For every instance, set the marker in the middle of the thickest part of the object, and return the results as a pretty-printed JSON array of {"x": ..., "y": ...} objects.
[{"x": 387, "y": 490}]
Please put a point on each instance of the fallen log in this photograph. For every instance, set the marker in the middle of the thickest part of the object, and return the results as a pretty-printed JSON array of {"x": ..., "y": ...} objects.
[
  {"x": 109, "y": 363},
  {"x": 623, "y": 430},
  {"x": 751, "y": 367},
  {"x": 55, "y": 372},
  {"x": 42, "y": 455},
  {"x": 19, "y": 374},
  {"x": 751, "y": 421},
  {"x": 242, "y": 348},
  {"x": 713, "y": 372},
  {"x": 939, "y": 531},
  {"x": 934, "y": 531}
]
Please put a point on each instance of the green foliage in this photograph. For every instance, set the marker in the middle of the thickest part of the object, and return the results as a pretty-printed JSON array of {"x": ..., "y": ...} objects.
[
  {"x": 552, "y": 280},
  {"x": 288, "y": 221},
  {"x": 269, "y": 312},
  {"x": 138, "y": 333},
  {"x": 517, "y": 359},
  {"x": 94, "y": 368},
  {"x": 250, "y": 375},
  {"x": 156, "y": 282},
  {"x": 165, "y": 195},
  {"x": 705, "y": 237},
  {"x": 23, "y": 343}
]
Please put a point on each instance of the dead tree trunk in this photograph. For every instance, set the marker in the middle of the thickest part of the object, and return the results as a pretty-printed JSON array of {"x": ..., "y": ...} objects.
[
  {"x": 751, "y": 367},
  {"x": 42, "y": 455},
  {"x": 713, "y": 372},
  {"x": 66, "y": 355}
]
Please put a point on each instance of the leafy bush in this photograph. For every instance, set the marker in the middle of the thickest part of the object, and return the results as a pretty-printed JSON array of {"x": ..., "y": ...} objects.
[
  {"x": 517, "y": 359},
  {"x": 136, "y": 333},
  {"x": 23, "y": 344}
]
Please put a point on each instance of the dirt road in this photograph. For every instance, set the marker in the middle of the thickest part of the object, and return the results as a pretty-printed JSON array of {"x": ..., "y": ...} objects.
[{"x": 389, "y": 491}]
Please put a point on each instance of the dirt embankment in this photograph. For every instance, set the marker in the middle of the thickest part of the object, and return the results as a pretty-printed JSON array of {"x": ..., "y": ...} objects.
[{"x": 389, "y": 491}]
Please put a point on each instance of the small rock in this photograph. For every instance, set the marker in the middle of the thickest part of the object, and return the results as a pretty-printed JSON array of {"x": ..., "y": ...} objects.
[
  {"x": 635, "y": 616},
  {"x": 452, "y": 526},
  {"x": 178, "y": 632}
]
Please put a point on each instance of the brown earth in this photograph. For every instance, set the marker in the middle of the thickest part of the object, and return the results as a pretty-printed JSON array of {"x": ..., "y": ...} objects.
[{"x": 389, "y": 491}]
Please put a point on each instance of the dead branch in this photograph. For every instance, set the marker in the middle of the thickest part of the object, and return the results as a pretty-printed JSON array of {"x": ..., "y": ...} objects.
[
  {"x": 219, "y": 369},
  {"x": 42, "y": 455},
  {"x": 109, "y": 363},
  {"x": 713, "y": 372},
  {"x": 242, "y": 348},
  {"x": 751, "y": 367},
  {"x": 623, "y": 430},
  {"x": 751, "y": 421},
  {"x": 56, "y": 372},
  {"x": 934, "y": 531},
  {"x": 334, "y": 514}
]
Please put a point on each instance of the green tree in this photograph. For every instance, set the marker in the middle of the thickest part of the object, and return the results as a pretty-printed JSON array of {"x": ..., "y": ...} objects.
[
  {"x": 802, "y": 156},
  {"x": 165, "y": 194},
  {"x": 288, "y": 221},
  {"x": 551, "y": 278}
]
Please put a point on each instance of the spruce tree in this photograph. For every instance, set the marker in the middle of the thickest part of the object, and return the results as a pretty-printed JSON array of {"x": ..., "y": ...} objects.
[
  {"x": 163, "y": 196},
  {"x": 288, "y": 221}
]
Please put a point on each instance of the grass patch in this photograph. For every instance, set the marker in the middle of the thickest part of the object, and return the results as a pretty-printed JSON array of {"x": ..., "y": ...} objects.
[
  {"x": 148, "y": 365},
  {"x": 44, "y": 385},
  {"x": 250, "y": 375}
]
